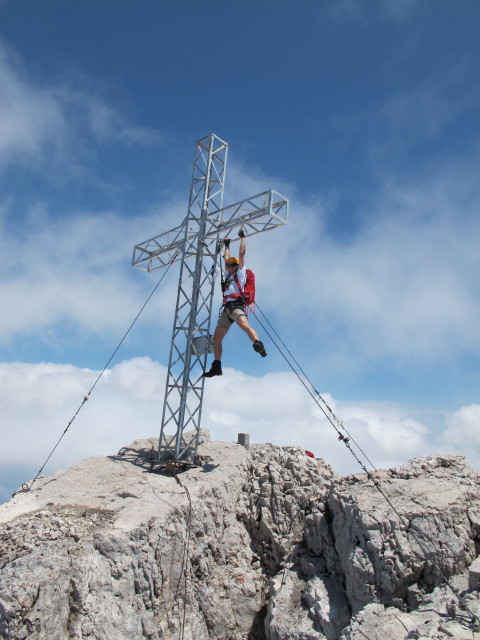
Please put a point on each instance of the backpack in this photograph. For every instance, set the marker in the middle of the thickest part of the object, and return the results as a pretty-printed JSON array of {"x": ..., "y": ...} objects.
[{"x": 248, "y": 294}]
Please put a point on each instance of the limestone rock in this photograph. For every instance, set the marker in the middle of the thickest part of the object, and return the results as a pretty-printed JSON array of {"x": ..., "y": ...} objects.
[
  {"x": 258, "y": 544},
  {"x": 474, "y": 575}
]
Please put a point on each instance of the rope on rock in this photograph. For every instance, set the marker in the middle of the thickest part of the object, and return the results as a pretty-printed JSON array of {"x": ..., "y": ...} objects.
[
  {"x": 27, "y": 486},
  {"x": 185, "y": 557}
]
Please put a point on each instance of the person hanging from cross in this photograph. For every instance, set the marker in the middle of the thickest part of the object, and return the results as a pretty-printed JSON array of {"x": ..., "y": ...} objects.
[{"x": 233, "y": 308}]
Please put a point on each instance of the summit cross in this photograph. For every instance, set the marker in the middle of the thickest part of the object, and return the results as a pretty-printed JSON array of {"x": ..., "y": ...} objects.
[{"x": 196, "y": 244}]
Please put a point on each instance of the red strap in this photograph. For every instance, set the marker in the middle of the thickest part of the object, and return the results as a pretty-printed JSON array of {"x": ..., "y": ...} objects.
[
  {"x": 234, "y": 295},
  {"x": 235, "y": 277}
]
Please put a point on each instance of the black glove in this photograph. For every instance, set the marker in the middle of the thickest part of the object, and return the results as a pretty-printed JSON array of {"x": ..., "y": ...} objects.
[
  {"x": 226, "y": 242},
  {"x": 241, "y": 233}
]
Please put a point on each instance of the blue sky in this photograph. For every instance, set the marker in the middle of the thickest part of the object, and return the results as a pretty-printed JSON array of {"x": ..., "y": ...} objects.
[{"x": 365, "y": 114}]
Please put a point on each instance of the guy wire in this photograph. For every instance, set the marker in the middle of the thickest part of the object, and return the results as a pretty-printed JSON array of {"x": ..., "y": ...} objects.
[
  {"x": 27, "y": 486},
  {"x": 474, "y": 619}
]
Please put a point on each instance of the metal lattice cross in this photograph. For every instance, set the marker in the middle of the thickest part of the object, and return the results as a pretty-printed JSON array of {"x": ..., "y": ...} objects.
[{"x": 196, "y": 243}]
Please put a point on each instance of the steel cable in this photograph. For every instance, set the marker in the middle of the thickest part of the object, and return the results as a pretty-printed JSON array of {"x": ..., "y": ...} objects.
[
  {"x": 27, "y": 486},
  {"x": 331, "y": 417},
  {"x": 185, "y": 557}
]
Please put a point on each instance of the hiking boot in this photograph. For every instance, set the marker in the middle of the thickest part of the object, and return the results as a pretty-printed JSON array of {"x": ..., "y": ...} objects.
[
  {"x": 259, "y": 348},
  {"x": 216, "y": 370}
]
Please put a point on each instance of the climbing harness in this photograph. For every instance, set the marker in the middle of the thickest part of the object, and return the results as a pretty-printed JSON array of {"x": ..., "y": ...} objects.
[{"x": 245, "y": 296}]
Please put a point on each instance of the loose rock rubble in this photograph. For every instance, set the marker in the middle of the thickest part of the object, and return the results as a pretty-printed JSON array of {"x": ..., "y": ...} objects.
[{"x": 256, "y": 544}]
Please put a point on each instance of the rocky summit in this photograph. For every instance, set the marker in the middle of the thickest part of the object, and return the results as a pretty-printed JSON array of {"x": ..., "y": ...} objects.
[{"x": 258, "y": 543}]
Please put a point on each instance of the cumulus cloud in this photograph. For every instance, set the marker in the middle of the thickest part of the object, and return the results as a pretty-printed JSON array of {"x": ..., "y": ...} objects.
[
  {"x": 404, "y": 287},
  {"x": 38, "y": 400},
  {"x": 277, "y": 408},
  {"x": 462, "y": 433},
  {"x": 74, "y": 274}
]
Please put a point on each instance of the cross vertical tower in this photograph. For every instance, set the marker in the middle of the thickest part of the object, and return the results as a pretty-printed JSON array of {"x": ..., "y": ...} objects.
[
  {"x": 194, "y": 298},
  {"x": 196, "y": 243}
]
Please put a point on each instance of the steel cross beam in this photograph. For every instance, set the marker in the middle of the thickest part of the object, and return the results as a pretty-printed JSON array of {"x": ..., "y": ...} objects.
[{"x": 196, "y": 244}]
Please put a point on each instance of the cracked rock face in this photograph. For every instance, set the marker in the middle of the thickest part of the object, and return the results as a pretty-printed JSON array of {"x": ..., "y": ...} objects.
[{"x": 260, "y": 544}]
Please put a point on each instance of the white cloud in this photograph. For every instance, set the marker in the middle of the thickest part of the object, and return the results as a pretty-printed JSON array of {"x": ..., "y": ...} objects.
[
  {"x": 277, "y": 408},
  {"x": 76, "y": 270},
  {"x": 462, "y": 433},
  {"x": 404, "y": 287},
  {"x": 30, "y": 117},
  {"x": 107, "y": 123},
  {"x": 41, "y": 124},
  {"x": 392, "y": 432},
  {"x": 37, "y": 402}
]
